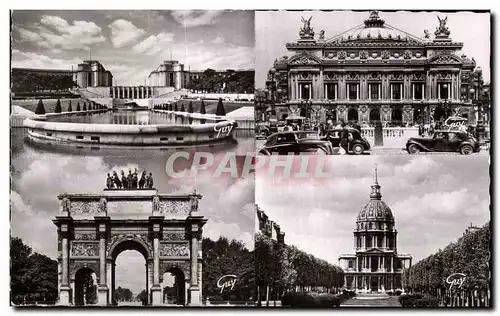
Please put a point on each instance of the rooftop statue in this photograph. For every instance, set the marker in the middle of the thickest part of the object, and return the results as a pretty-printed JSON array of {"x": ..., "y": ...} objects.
[
  {"x": 322, "y": 34},
  {"x": 131, "y": 181},
  {"x": 427, "y": 34},
  {"x": 306, "y": 30},
  {"x": 442, "y": 30}
]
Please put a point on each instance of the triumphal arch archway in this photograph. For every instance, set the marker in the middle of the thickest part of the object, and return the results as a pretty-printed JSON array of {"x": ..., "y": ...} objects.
[{"x": 93, "y": 229}]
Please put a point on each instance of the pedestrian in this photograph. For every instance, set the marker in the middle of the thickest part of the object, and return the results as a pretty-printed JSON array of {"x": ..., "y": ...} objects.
[{"x": 344, "y": 140}]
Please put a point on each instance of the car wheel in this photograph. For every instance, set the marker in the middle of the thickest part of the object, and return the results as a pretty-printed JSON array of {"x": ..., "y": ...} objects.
[
  {"x": 466, "y": 150},
  {"x": 358, "y": 149},
  {"x": 413, "y": 149}
]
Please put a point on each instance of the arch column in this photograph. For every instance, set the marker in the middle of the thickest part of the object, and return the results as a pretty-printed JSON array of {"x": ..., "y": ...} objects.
[
  {"x": 102, "y": 289},
  {"x": 65, "y": 290}
]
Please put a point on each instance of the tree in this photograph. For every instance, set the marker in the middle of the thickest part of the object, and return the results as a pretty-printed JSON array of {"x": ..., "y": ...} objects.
[
  {"x": 40, "y": 109},
  {"x": 58, "y": 108},
  {"x": 220, "y": 109},
  {"x": 175, "y": 107},
  {"x": 32, "y": 274},
  {"x": 182, "y": 107},
  {"x": 78, "y": 107},
  {"x": 190, "y": 107},
  {"x": 19, "y": 265},
  {"x": 84, "y": 106},
  {"x": 69, "y": 107},
  {"x": 224, "y": 257},
  {"x": 143, "y": 296},
  {"x": 202, "y": 108}
]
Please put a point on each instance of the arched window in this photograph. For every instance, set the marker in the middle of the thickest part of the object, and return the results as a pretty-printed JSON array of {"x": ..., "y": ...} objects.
[
  {"x": 352, "y": 115},
  {"x": 397, "y": 116},
  {"x": 374, "y": 115}
]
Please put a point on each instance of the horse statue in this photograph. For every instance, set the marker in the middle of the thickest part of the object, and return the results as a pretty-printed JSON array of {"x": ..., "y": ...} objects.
[
  {"x": 125, "y": 183},
  {"x": 134, "y": 179},
  {"x": 149, "y": 181},
  {"x": 116, "y": 180},
  {"x": 142, "y": 181},
  {"x": 109, "y": 182}
]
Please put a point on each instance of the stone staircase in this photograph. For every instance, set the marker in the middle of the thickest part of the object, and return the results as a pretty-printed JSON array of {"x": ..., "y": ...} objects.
[{"x": 372, "y": 300}]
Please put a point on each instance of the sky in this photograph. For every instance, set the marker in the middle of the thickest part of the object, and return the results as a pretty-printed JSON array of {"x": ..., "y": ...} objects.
[
  {"x": 39, "y": 176},
  {"x": 131, "y": 44},
  {"x": 273, "y": 29},
  {"x": 433, "y": 200}
]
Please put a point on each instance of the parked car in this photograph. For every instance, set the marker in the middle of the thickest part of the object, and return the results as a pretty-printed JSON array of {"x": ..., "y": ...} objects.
[
  {"x": 357, "y": 143},
  {"x": 444, "y": 141},
  {"x": 296, "y": 142}
]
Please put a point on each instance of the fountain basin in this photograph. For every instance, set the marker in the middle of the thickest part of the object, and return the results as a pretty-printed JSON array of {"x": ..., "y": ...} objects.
[{"x": 51, "y": 127}]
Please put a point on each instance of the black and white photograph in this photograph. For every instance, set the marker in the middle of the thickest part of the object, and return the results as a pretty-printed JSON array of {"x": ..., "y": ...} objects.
[
  {"x": 372, "y": 82},
  {"x": 391, "y": 232},
  {"x": 111, "y": 111},
  {"x": 200, "y": 158}
]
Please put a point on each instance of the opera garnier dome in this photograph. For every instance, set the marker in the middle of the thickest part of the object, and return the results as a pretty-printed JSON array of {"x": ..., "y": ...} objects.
[
  {"x": 376, "y": 265},
  {"x": 373, "y": 72}
]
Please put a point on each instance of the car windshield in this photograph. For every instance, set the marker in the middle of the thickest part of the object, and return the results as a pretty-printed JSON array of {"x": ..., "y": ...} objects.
[{"x": 308, "y": 135}]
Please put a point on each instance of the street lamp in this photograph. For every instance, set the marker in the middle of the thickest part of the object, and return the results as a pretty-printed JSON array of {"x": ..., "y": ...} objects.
[{"x": 478, "y": 101}]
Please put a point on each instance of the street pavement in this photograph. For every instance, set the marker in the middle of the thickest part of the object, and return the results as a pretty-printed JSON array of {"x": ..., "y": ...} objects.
[
  {"x": 383, "y": 151},
  {"x": 368, "y": 300}
]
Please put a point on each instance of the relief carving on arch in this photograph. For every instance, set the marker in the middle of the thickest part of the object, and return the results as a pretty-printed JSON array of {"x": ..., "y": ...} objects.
[
  {"x": 174, "y": 250},
  {"x": 174, "y": 236},
  {"x": 85, "y": 236},
  {"x": 84, "y": 249},
  {"x": 90, "y": 207},
  {"x": 175, "y": 207}
]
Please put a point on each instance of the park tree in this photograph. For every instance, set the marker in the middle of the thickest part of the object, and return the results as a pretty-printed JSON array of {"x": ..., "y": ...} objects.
[
  {"x": 220, "y": 109},
  {"x": 70, "y": 109},
  {"x": 40, "y": 109},
  {"x": 225, "y": 257},
  {"x": 142, "y": 297},
  {"x": 58, "y": 108},
  {"x": 123, "y": 295},
  {"x": 32, "y": 275}
]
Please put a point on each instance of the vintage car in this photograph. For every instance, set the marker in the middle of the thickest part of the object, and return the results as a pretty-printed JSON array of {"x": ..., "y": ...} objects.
[
  {"x": 444, "y": 141},
  {"x": 297, "y": 143},
  {"x": 357, "y": 144}
]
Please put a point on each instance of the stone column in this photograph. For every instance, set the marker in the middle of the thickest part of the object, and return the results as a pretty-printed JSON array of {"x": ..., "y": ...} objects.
[
  {"x": 156, "y": 288},
  {"x": 102, "y": 289},
  {"x": 109, "y": 280},
  {"x": 142, "y": 92},
  {"x": 194, "y": 287},
  {"x": 392, "y": 264},
  {"x": 65, "y": 289}
]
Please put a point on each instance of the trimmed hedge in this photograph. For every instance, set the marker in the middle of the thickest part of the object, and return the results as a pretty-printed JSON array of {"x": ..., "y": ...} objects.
[
  {"x": 418, "y": 300},
  {"x": 294, "y": 299}
]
